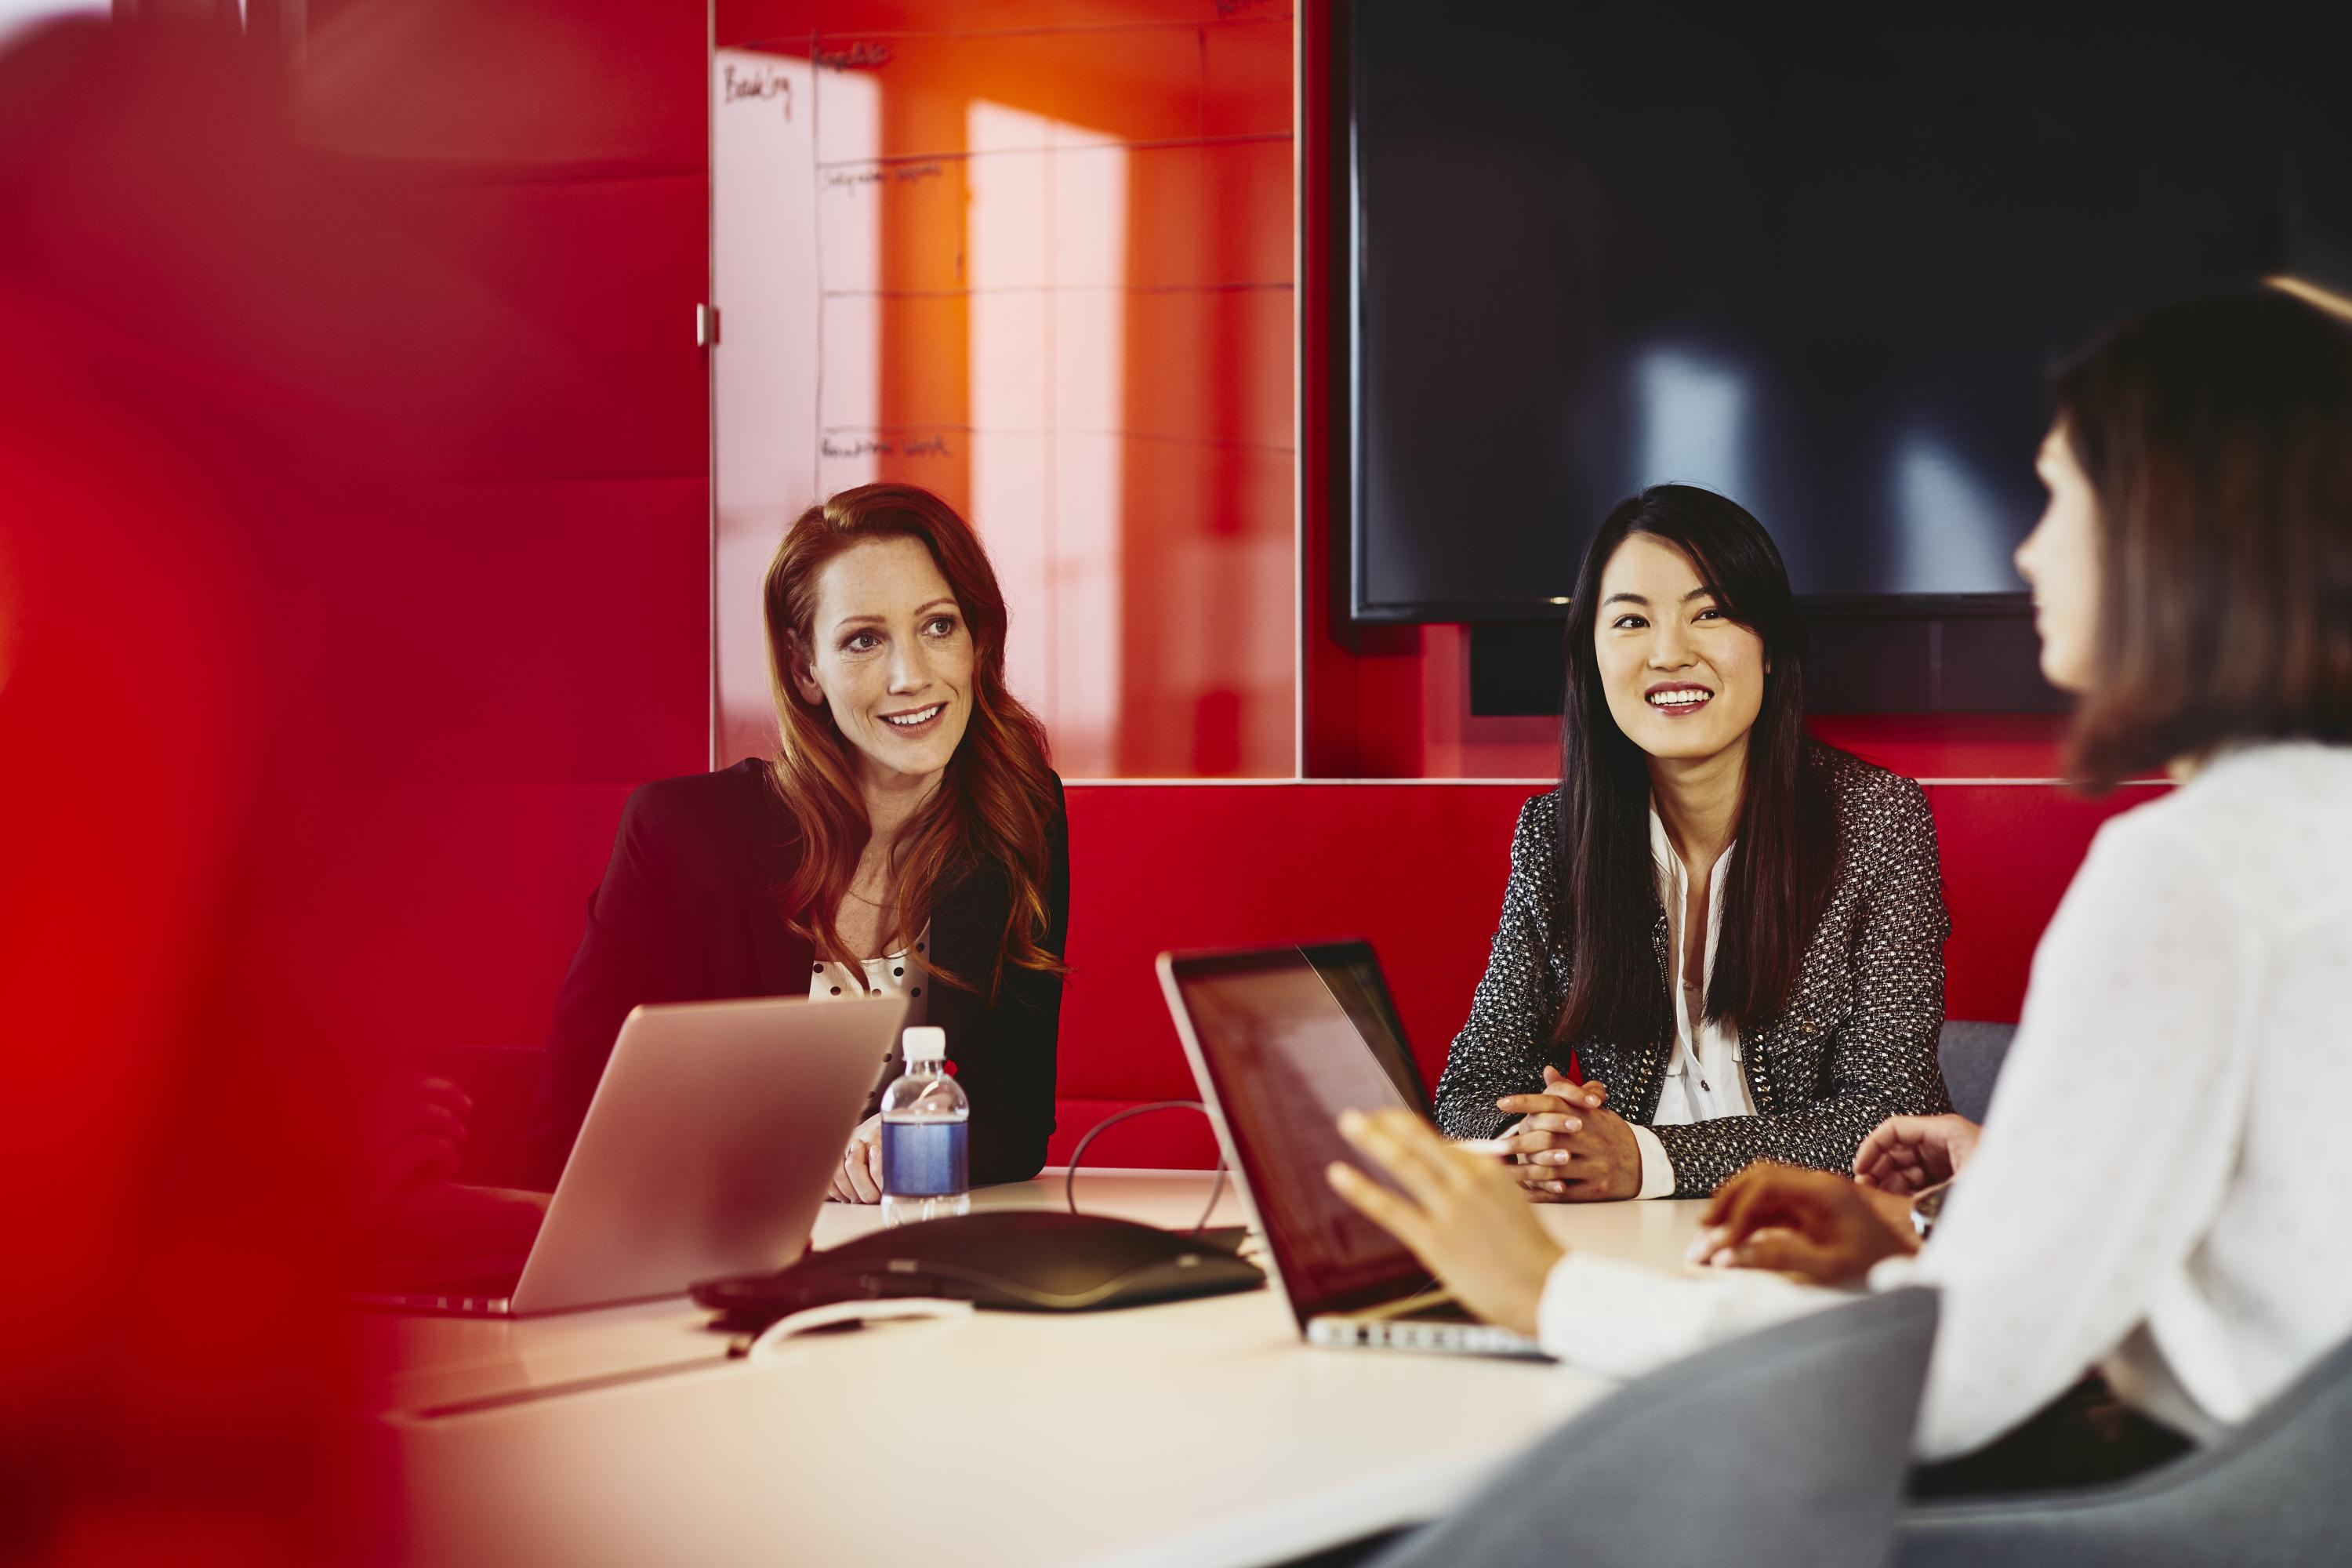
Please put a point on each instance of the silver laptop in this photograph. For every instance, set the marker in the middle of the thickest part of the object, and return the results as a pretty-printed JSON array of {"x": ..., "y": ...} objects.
[
  {"x": 709, "y": 1145},
  {"x": 1281, "y": 1040}
]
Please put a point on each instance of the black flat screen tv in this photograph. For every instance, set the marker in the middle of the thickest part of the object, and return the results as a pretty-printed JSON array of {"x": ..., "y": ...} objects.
[{"x": 1820, "y": 261}]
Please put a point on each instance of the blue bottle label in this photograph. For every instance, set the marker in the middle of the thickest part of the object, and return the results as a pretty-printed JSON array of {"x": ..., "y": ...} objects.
[{"x": 924, "y": 1159}]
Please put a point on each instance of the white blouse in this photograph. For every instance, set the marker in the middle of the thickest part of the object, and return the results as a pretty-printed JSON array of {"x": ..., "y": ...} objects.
[
  {"x": 897, "y": 975},
  {"x": 2159, "y": 1186},
  {"x": 1706, "y": 1075}
]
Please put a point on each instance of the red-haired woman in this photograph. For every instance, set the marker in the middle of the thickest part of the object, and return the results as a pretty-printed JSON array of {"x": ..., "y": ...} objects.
[{"x": 908, "y": 838}]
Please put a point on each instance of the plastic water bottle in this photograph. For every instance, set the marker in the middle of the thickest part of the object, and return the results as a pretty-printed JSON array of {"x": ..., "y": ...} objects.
[{"x": 926, "y": 1123}]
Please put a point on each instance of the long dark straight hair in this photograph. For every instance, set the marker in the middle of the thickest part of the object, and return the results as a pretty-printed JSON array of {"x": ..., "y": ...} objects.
[{"x": 1781, "y": 864}]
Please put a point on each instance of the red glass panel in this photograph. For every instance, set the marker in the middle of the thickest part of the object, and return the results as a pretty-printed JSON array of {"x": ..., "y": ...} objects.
[{"x": 1043, "y": 268}]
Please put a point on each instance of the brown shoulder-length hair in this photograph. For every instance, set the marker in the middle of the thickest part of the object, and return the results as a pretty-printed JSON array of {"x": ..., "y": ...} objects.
[
  {"x": 995, "y": 808},
  {"x": 2217, "y": 437}
]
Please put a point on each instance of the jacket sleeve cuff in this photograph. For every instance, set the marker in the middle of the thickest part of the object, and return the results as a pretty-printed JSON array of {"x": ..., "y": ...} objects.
[{"x": 1657, "y": 1168}]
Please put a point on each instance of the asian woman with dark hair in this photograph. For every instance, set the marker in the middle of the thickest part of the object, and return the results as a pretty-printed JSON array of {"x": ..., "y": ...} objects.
[
  {"x": 2157, "y": 1189},
  {"x": 1735, "y": 931}
]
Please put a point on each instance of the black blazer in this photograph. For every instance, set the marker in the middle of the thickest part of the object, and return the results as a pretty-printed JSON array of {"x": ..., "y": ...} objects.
[{"x": 692, "y": 909}]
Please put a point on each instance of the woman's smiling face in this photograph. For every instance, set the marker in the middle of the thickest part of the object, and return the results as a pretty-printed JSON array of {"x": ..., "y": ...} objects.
[
  {"x": 1683, "y": 679},
  {"x": 891, "y": 658}
]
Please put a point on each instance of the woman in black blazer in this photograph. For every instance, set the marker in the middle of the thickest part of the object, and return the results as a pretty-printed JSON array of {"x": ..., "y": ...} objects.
[
  {"x": 1737, "y": 929},
  {"x": 907, "y": 837}
]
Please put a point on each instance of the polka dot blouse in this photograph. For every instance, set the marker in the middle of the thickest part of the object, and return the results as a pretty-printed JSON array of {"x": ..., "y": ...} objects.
[{"x": 898, "y": 974}]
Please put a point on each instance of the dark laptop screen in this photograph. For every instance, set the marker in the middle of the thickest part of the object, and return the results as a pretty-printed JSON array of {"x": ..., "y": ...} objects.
[
  {"x": 1354, "y": 973},
  {"x": 1283, "y": 1056}
]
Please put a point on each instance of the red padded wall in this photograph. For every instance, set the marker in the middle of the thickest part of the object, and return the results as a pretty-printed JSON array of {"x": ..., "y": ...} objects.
[
  {"x": 2009, "y": 851},
  {"x": 1416, "y": 869},
  {"x": 1419, "y": 870},
  {"x": 542, "y": 167},
  {"x": 1155, "y": 868}
]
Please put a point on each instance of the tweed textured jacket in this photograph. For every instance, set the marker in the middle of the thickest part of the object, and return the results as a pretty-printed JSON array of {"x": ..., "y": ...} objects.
[{"x": 1855, "y": 1044}]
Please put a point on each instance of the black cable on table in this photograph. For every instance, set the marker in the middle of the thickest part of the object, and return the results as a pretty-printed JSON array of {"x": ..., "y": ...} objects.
[{"x": 1078, "y": 1155}]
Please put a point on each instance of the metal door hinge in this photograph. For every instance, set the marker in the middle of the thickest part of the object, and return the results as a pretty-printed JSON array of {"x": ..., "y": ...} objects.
[{"x": 706, "y": 326}]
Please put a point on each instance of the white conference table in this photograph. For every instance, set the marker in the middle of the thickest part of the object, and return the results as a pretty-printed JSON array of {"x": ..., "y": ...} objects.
[{"x": 1199, "y": 1433}]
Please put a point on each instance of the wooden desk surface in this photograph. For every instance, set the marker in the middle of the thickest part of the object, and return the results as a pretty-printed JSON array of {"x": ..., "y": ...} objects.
[{"x": 1198, "y": 1432}]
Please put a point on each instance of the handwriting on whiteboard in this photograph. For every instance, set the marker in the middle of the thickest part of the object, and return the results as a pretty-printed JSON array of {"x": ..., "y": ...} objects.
[
  {"x": 881, "y": 174},
  {"x": 866, "y": 447},
  {"x": 857, "y": 57},
  {"x": 736, "y": 86}
]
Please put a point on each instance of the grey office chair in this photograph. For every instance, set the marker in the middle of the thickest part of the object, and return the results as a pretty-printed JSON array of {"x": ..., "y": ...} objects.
[
  {"x": 1782, "y": 1449},
  {"x": 1970, "y": 1055},
  {"x": 2271, "y": 1494}
]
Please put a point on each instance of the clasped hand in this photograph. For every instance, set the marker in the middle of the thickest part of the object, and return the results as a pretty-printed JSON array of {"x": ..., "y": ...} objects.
[{"x": 1570, "y": 1147}]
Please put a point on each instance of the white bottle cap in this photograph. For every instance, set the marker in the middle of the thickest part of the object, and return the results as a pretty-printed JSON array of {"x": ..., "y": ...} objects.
[{"x": 925, "y": 1043}]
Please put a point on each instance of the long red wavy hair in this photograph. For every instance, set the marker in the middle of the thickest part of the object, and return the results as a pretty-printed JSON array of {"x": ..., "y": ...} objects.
[{"x": 994, "y": 805}]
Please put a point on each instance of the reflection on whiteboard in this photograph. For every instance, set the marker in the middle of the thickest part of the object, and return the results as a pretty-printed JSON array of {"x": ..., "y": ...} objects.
[{"x": 1047, "y": 250}]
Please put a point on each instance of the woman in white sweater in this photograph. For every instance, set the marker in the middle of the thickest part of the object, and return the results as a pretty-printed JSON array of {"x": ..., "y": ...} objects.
[{"x": 2157, "y": 1189}]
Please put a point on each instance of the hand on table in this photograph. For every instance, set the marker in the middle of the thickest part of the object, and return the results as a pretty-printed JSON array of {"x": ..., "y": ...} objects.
[
  {"x": 450, "y": 1220},
  {"x": 859, "y": 1179},
  {"x": 1909, "y": 1154},
  {"x": 1572, "y": 1148},
  {"x": 1822, "y": 1227},
  {"x": 1460, "y": 1213},
  {"x": 412, "y": 1128}
]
